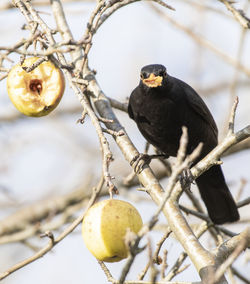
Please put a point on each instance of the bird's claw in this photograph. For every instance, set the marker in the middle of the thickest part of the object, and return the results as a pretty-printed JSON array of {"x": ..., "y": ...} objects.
[
  {"x": 186, "y": 179},
  {"x": 139, "y": 161}
]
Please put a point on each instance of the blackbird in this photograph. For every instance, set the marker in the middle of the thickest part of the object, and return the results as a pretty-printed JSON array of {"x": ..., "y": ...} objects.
[{"x": 160, "y": 105}]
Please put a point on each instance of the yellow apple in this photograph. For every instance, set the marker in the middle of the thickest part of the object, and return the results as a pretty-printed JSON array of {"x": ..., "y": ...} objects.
[
  {"x": 104, "y": 228},
  {"x": 38, "y": 92}
]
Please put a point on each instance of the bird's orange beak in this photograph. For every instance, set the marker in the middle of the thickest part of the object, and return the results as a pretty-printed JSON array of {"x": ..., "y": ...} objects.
[{"x": 153, "y": 81}]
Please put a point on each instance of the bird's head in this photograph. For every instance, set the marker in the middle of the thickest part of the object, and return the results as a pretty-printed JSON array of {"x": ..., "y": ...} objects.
[{"x": 154, "y": 75}]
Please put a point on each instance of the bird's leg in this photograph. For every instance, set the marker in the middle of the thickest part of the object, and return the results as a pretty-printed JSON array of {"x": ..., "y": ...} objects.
[
  {"x": 186, "y": 179},
  {"x": 140, "y": 160}
]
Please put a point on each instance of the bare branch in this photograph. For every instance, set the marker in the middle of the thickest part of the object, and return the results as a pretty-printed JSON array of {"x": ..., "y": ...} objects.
[
  {"x": 241, "y": 146},
  {"x": 239, "y": 15},
  {"x": 238, "y": 244},
  {"x": 156, "y": 254},
  {"x": 173, "y": 271},
  {"x": 23, "y": 218},
  {"x": 239, "y": 275},
  {"x": 107, "y": 272},
  {"x": 232, "y": 117},
  {"x": 222, "y": 252}
]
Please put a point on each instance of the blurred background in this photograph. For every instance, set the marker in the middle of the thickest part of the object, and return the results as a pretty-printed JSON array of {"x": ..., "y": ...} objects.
[{"x": 42, "y": 158}]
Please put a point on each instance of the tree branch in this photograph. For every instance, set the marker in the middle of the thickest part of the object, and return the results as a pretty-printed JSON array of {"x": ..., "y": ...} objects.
[{"x": 239, "y": 15}]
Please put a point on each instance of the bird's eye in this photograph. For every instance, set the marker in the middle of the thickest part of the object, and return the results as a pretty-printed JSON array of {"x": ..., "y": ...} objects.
[{"x": 143, "y": 75}]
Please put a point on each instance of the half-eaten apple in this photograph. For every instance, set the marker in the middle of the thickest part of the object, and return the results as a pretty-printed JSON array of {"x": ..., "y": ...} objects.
[{"x": 38, "y": 92}]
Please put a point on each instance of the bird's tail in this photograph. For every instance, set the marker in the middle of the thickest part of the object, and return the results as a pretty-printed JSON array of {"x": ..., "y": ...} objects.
[{"x": 214, "y": 191}]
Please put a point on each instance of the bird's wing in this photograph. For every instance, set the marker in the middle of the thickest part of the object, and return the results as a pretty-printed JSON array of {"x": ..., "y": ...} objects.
[
  {"x": 198, "y": 105},
  {"x": 132, "y": 102},
  {"x": 130, "y": 111}
]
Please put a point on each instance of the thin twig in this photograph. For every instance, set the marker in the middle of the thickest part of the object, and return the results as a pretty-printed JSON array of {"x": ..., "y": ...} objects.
[
  {"x": 106, "y": 271},
  {"x": 240, "y": 276},
  {"x": 232, "y": 117},
  {"x": 228, "y": 262},
  {"x": 156, "y": 254},
  {"x": 174, "y": 270},
  {"x": 239, "y": 15}
]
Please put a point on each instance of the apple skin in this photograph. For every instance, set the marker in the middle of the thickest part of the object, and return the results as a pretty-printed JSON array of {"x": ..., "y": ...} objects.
[
  {"x": 38, "y": 92},
  {"x": 104, "y": 228}
]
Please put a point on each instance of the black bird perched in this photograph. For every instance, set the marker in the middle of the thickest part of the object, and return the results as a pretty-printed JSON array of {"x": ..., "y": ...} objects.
[{"x": 161, "y": 105}]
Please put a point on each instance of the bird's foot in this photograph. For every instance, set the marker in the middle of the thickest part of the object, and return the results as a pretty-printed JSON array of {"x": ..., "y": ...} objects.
[
  {"x": 186, "y": 179},
  {"x": 140, "y": 160}
]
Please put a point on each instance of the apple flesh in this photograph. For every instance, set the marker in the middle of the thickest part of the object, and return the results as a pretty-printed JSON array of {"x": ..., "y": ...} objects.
[
  {"x": 104, "y": 228},
  {"x": 38, "y": 92}
]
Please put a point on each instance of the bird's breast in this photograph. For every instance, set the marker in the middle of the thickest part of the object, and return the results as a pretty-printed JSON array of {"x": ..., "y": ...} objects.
[{"x": 160, "y": 125}]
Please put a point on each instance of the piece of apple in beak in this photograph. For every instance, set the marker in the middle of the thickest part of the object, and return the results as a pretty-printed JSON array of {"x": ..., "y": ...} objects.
[{"x": 153, "y": 81}]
